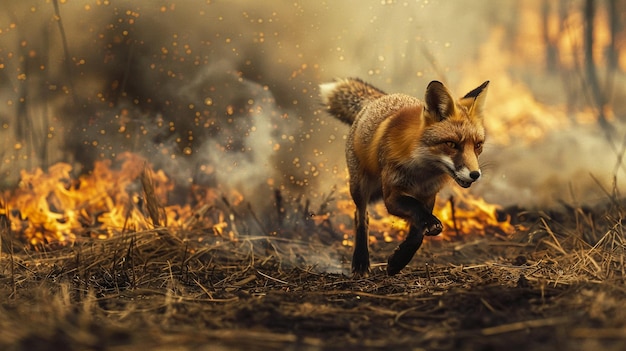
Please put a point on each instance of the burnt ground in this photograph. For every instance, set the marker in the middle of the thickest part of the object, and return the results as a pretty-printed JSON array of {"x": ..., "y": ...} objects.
[{"x": 556, "y": 284}]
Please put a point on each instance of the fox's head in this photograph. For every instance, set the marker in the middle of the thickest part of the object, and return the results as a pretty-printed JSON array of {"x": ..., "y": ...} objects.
[{"x": 455, "y": 133}]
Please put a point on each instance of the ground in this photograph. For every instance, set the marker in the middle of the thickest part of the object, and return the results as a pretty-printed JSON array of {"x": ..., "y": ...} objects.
[{"x": 555, "y": 284}]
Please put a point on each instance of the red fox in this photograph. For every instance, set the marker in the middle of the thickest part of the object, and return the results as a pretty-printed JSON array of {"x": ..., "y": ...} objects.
[{"x": 403, "y": 150}]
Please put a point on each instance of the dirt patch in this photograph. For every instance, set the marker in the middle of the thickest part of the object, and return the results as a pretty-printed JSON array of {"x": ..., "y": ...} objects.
[{"x": 557, "y": 284}]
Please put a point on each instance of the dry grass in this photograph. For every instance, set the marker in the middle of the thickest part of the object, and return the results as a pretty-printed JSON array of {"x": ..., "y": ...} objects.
[{"x": 559, "y": 284}]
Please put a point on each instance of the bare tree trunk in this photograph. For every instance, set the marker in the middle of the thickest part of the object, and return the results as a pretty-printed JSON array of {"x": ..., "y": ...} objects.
[
  {"x": 569, "y": 75},
  {"x": 614, "y": 28},
  {"x": 552, "y": 61},
  {"x": 66, "y": 51},
  {"x": 590, "y": 67},
  {"x": 43, "y": 99}
]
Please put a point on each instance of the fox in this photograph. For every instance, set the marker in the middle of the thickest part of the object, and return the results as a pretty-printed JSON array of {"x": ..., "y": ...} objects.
[{"x": 404, "y": 150}]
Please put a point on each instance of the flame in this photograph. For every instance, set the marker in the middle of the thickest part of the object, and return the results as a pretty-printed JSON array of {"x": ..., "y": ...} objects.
[
  {"x": 462, "y": 213},
  {"x": 517, "y": 63},
  {"x": 465, "y": 213},
  {"x": 515, "y": 113},
  {"x": 53, "y": 208}
]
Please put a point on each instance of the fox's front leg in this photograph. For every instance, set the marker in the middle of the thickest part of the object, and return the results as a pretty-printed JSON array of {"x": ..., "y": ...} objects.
[
  {"x": 403, "y": 254},
  {"x": 415, "y": 211},
  {"x": 422, "y": 222}
]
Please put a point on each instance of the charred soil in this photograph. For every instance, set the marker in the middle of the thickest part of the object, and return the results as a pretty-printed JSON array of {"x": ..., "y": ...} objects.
[{"x": 557, "y": 283}]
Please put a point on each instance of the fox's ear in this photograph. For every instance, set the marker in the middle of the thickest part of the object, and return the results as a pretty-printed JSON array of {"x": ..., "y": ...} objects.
[
  {"x": 474, "y": 101},
  {"x": 439, "y": 101}
]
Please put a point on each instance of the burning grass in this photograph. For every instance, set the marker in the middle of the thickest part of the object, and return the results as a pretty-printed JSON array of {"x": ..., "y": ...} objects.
[{"x": 556, "y": 284}]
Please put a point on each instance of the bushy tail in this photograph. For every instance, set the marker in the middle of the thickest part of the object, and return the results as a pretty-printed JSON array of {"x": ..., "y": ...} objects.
[{"x": 344, "y": 98}]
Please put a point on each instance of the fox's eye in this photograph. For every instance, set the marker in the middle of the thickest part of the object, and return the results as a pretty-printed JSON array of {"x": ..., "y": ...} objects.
[
  {"x": 451, "y": 144},
  {"x": 478, "y": 146}
]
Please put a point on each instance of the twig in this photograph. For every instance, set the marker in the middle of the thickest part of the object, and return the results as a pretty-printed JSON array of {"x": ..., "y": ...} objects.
[
  {"x": 131, "y": 52},
  {"x": 128, "y": 259},
  {"x": 557, "y": 244},
  {"x": 206, "y": 291},
  {"x": 488, "y": 305},
  {"x": 428, "y": 273},
  {"x": 272, "y": 278},
  {"x": 453, "y": 213},
  {"x": 511, "y": 327},
  {"x": 402, "y": 297},
  {"x": 195, "y": 218},
  {"x": 606, "y": 192},
  {"x": 231, "y": 216},
  {"x": 66, "y": 50},
  {"x": 433, "y": 62},
  {"x": 12, "y": 259},
  {"x": 127, "y": 216},
  {"x": 280, "y": 211},
  {"x": 183, "y": 262},
  {"x": 155, "y": 210},
  {"x": 245, "y": 280},
  {"x": 422, "y": 315},
  {"x": 257, "y": 220}
]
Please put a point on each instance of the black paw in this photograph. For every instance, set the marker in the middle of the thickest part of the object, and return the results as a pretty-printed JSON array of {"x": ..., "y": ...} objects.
[
  {"x": 432, "y": 226},
  {"x": 401, "y": 256},
  {"x": 360, "y": 265},
  {"x": 360, "y": 270},
  {"x": 396, "y": 262}
]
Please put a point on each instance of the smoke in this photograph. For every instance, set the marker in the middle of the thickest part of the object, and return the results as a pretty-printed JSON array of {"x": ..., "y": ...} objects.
[
  {"x": 576, "y": 165},
  {"x": 243, "y": 153},
  {"x": 225, "y": 93}
]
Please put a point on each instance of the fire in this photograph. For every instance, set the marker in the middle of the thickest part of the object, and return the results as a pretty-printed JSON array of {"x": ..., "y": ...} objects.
[
  {"x": 462, "y": 213},
  {"x": 530, "y": 109},
  {"x": 53, "y": 208}
]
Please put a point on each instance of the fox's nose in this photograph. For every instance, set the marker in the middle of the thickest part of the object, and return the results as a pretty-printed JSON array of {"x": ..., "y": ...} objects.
[{"x": 475, "y": 175}]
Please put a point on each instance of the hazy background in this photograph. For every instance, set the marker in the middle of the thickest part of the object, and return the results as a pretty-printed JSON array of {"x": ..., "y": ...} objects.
[{"x": 224, "y": 93}]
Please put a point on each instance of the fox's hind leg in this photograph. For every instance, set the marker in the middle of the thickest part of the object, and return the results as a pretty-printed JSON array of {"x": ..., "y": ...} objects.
[{"x": 361, "y": 256}]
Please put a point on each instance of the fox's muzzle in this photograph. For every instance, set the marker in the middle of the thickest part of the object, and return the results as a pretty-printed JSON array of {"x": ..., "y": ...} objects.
[{"x": 465, "y": 177}]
